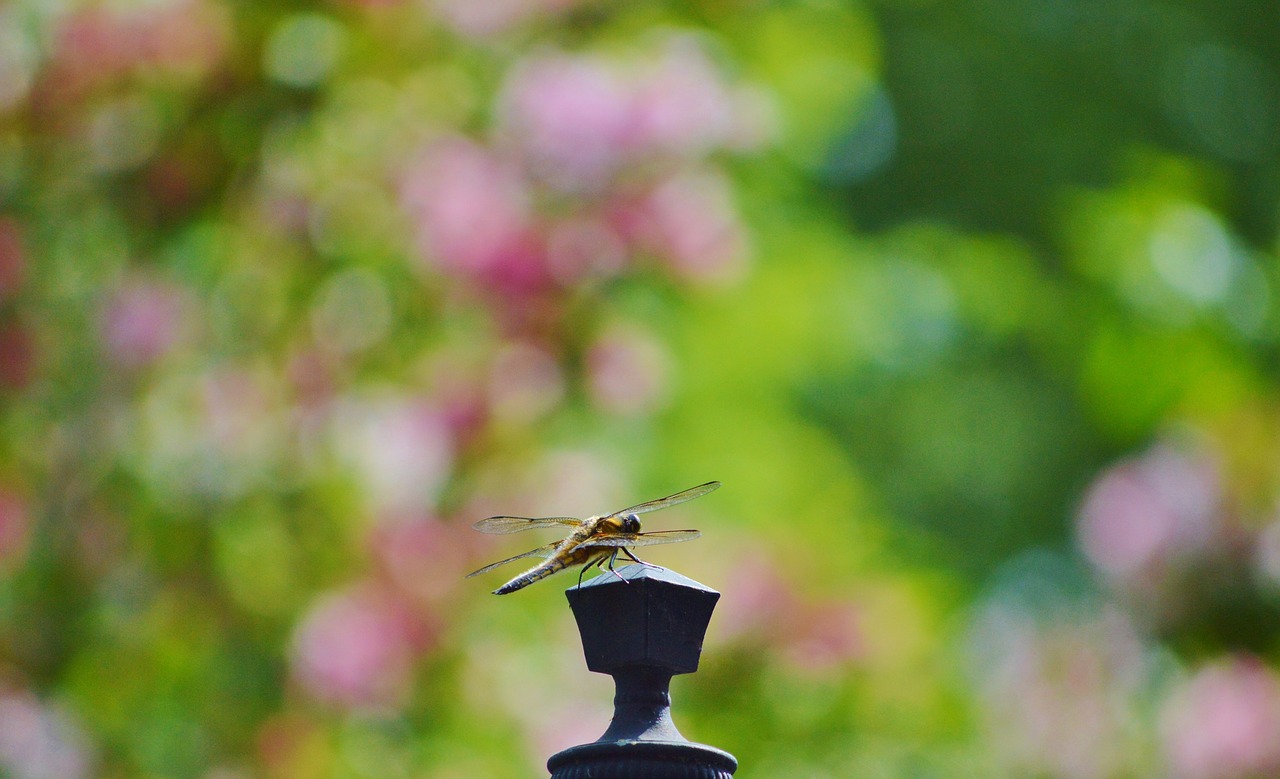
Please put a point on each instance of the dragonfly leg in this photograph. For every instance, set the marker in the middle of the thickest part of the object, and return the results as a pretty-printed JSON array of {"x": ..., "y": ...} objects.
[
  {"x": 598, "y": 562},
  {"x": 611, "y": 558},
  {"x": 628, "y": 553}
]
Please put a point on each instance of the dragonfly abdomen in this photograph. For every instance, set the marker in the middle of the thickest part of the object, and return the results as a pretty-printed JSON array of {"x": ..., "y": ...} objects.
[{"x": 543, "y": 570}]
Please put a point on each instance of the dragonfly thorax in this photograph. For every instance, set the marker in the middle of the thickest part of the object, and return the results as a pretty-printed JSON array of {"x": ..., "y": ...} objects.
[
  {"x": 593, "y": 541},
  {"x": 617, "y": 523}
]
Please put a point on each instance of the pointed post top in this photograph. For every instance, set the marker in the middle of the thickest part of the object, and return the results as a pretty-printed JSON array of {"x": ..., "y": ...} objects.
[
  {"x": 642, "y": 616},
  {"x": 641, "y": 625}
]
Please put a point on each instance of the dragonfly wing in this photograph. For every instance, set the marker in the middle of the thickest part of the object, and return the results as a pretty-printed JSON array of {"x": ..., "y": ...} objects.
[
  {"x": 670, "y": 500},
  {"x": 504, "y": 525},
  {"x": 542, "y": 551},
  {"x": 642, "y": 539}
]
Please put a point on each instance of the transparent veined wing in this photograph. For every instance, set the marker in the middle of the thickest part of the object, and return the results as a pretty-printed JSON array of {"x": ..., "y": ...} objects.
[
  {"x": 542, "y": 551},
  {"x": 504, "y": 525},
  {"x": 642, "y": 539},
  {"x": 670, "y": 500}
]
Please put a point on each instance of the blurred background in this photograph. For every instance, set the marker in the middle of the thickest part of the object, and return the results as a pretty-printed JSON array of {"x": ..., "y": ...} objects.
[{"x": 971, "y": 306}]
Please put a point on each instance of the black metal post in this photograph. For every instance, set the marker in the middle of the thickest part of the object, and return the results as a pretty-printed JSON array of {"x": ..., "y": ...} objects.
[{"x": 642, "y": 627}]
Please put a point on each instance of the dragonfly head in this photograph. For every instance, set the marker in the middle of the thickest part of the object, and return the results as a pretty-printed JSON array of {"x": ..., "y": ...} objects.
[{"x": 631, "y": 524}]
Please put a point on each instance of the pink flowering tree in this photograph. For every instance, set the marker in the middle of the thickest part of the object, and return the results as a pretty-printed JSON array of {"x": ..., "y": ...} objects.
[{"x": 291, "y": 294}]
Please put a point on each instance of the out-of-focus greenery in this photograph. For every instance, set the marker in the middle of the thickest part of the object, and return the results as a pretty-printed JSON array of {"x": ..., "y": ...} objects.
[{"x": 971, "y": 306}]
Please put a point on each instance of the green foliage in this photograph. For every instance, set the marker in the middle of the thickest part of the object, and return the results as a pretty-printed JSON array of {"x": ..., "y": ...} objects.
[{"x": 971, "y": 307}]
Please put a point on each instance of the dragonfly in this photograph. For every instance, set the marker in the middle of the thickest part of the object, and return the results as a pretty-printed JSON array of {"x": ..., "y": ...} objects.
[{"x": 595, "y": 541}]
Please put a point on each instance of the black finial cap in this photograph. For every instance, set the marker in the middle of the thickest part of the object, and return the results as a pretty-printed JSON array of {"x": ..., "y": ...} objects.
[
  {"x": 642, "y": 616},
  {"x": 642, "y": 625}
]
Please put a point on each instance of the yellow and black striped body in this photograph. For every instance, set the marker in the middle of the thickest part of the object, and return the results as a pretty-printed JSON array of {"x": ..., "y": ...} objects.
[
  {"x": 574, "y": 551},
  {"x": 595, "y": 541}
]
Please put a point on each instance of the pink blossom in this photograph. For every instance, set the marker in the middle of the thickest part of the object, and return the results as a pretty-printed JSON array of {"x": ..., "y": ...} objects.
[
  {"x": 757, "y": 599},
  {"x": 312, "y": 377},
  {"x": 1057, "y": 696},
  {"x": 356, "y": 648},
  {"x": 189, "y": 37},
  {"x": 282, "y": 742},
  {"x": 142, "y": 320},
  {"x": 399, "y": 447},
  {"x": 525, "y": 382},
  {"x": 567, "y": 721},
  {"x": 1224, "y": 722},
  {"x": 17, "y": 355},
  {"x": 456, "y": 383},
  {"x": 761, "y": 607},
  {"x": 474, "y": 217},
  {"x": 15, "y": 523},
  {"x": 236, "y": 402},
  {"x": 13, "y": 259},
  {"x": 823, "y": 637},
  {"x": 572, "y": 116},
  {"x": 93, "y": 46},
  {"x": 682, "y": 104},
  {"x": 283, "y": 210},
  {"x": 39, "y": 741},
  {"x": 627, "y": 371},
  {"x": 689, "y": 220},
  {"x": 425, "y": 557},
  {"x": 584, "y": 249},
  {"x": 580, "y": 120},
  {"x": 1149, "y": 512},
  {"x": 96, "y": 46}
]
